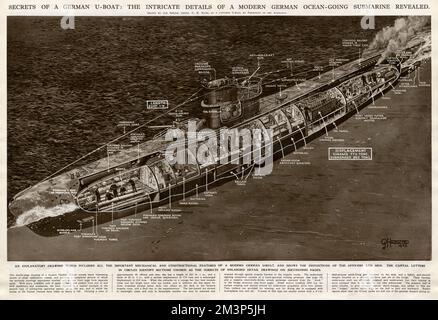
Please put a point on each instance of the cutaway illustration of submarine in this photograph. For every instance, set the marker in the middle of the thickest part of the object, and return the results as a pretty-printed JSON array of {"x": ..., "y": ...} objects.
[{"x": 141, "y": 177}]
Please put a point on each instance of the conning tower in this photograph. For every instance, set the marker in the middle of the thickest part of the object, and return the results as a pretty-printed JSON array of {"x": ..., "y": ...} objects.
[{"x": 225, "y": 100}]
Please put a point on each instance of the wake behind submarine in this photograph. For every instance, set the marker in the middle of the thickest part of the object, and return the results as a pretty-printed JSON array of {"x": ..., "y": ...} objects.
[{"x": 141, "y": 177}]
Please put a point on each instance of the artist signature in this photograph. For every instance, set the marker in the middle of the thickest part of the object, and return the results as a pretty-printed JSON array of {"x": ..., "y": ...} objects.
[{"x": 389, "y": 243}]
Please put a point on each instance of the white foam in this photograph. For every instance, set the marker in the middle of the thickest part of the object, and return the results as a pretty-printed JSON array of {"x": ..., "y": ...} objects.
[{"x": 37, "y": 213}]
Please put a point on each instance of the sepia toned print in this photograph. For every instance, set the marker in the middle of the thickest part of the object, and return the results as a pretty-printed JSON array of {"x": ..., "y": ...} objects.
[{"x": 219, "y": 138}]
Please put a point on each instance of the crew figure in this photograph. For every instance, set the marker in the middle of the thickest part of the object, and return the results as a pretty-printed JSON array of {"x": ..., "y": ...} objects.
[
  {"x": 109, "y": 195},
  {"x": 97, "y": 194},
  {"x": 122, "y": 190},
  {"x": 113, "y": 188},
  {"x": 132, "y": 183}
]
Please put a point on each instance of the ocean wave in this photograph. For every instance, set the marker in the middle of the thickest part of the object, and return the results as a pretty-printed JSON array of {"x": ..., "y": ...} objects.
[{"x": 37, "y": 213}]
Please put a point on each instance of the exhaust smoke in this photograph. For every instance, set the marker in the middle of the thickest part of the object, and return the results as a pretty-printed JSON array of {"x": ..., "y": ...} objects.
[{"x": 394, "y": 38}]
